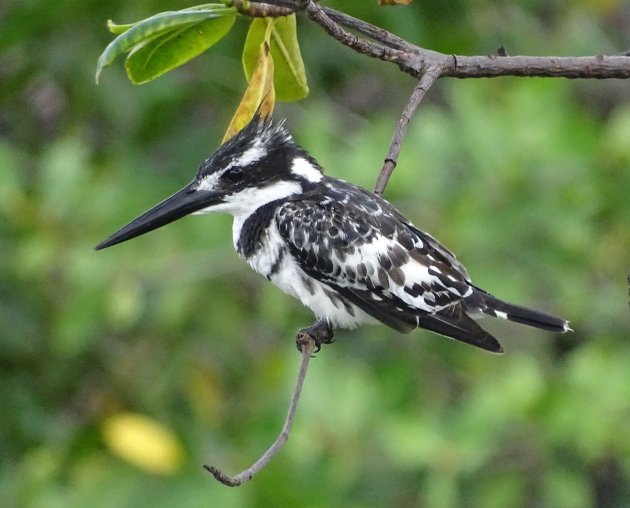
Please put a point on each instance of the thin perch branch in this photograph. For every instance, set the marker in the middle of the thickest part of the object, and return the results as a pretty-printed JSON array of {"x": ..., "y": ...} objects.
[
  {"x": 391, "y": 159},
  {"x": 308, "y": 346}
]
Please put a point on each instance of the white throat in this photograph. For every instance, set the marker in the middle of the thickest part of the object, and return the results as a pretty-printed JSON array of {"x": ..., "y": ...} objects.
[
  {"x": 246, "y": 202},
  {"x": 249, "y": 200}
]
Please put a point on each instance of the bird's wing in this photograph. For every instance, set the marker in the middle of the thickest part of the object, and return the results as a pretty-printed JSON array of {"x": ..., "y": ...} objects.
[
  {"x": 365, "y": 250},
  {"x": 453, "y": 322}
]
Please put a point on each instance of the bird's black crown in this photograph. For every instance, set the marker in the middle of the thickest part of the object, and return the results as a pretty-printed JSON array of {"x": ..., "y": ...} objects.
[{"x": 261, "y": 133}]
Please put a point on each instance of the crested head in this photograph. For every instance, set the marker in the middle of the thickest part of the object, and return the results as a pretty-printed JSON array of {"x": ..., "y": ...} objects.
[
  {"x": 259, "y": 138},
  {"x": 259, "y": 165},
  {"x": 258, "y": 141}
]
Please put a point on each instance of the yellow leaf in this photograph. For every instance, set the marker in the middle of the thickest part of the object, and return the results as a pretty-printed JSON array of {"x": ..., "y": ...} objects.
[
  {"x": 260, "y": 94},
  {"x": 206, "y": 395},
  {"x": 143, "y": 442}
]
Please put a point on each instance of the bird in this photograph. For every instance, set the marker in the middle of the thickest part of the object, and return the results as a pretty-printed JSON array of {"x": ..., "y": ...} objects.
[{"x": 345, "y": 253}]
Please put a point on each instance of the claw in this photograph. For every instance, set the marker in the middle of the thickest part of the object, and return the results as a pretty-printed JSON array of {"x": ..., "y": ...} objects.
[{"x": 321, "y": 333}]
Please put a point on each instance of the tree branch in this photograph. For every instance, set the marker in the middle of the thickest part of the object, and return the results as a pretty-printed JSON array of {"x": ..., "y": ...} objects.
[
  {"x": 588, "y": 67},
  {"x": 263, "y": 9},
  {"x": 371, "y": 31},
  {"x": 426, "y": 81},
  {"x": 308, "y": 345},
  {"x": 428, "y": 66},
  {"x": 414, "y": 60},
  {"x": 317, "y": 14}
]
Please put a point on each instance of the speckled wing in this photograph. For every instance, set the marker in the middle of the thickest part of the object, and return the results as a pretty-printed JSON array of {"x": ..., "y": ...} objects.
[{"x": 368, "y": 252}]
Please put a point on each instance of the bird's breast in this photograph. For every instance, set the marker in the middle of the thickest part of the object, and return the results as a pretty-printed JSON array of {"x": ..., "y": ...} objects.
[
  {"x": 257, "y": 240},
  {"x": 266, "y": 252}
]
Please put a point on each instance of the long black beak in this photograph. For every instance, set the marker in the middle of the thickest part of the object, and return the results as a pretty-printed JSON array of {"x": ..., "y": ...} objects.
[{"x": 183, "y": 202}]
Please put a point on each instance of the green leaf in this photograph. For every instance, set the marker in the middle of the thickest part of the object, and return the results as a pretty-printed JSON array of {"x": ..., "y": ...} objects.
[
  {"x": 162, "y": 54},
  {"x": 290, "y": 76},
  {"x": 118, "y": 29},
  {"x": 148, "y": 29}
]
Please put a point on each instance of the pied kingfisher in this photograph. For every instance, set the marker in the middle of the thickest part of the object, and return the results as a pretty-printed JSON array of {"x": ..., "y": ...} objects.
[{"x": 344, "y": 252}]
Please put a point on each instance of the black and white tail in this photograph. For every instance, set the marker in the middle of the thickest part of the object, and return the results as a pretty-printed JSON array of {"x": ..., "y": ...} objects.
[
  {"x": 488, "y": 304},
  {"x": 457, "y": 321}
]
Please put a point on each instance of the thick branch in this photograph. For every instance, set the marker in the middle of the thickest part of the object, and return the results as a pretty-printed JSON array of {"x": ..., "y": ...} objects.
[
  {"x": 274, "y": 9},
  {"x": 598, "y": 67}
]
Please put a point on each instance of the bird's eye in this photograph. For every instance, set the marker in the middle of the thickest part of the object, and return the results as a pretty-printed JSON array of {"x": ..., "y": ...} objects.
[{"x": 234, "y": 174}]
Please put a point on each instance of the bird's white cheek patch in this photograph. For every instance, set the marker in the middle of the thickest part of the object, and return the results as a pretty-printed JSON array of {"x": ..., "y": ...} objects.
[
  {"x": 246, "y": 202},
  {"x": 302, "y": 167},
  {"x": 209, "y": 182}
]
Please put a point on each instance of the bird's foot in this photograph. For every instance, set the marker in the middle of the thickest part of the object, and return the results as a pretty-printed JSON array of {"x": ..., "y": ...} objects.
[{"x": 320, "y": 333}]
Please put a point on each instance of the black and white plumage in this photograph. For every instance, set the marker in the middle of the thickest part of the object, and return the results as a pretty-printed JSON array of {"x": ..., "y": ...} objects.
[{"x": 345, "y": 253}]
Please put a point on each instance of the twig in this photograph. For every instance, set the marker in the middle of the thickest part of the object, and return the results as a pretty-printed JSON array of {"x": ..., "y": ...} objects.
[
  {"x": 308, "y": 346},
  {"x": 427, "y": 79},
  {"x": 374, "y": 32},
  {"x": 317, "y": 14},
  {"x": 263, "y": 9}
]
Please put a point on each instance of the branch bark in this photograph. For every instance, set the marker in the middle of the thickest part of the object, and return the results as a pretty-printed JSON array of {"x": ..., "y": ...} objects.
[
  {"x": 317, "y": 14},
  {"x": 588, "y": 67},
  {"x": 425, "y": 82},
  {"x": 308, "y": 347}
]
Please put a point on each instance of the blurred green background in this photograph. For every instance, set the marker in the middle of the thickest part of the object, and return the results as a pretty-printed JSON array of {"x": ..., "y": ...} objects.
[{"x": 123, "y": 371}]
